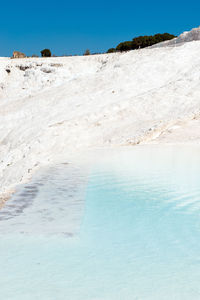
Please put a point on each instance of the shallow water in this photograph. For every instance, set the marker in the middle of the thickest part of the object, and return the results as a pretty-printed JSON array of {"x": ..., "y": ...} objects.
[
  {"x": 132, "y": 229},
  {"x": 52, "y": 203}
]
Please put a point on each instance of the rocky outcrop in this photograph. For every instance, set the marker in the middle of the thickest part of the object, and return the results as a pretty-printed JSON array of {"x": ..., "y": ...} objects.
[{"x": 17, "y": 54}]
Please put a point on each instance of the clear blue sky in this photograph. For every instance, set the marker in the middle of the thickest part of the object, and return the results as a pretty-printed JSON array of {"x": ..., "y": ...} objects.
[{"x": 70, "y": 27}]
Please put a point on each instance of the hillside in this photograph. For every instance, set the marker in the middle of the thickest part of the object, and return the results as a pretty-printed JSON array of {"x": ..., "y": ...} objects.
[{"x": 51, "y": 108}]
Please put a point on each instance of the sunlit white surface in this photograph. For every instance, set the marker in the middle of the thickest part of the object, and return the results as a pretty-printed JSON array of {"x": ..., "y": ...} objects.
[
  {"x": 52, "y": 108},
  {"x": 139, "y": 233}
]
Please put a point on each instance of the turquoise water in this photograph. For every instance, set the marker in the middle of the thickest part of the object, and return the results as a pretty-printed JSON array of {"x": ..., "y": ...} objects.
[{"x": 127, "y": 229}]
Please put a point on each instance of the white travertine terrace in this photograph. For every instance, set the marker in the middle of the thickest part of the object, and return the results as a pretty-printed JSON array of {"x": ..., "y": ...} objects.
[{"x": 51, "y": 108}]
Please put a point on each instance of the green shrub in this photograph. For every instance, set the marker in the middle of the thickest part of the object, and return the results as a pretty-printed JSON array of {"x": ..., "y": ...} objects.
[
  {"x": 142, "y": 42},
  {"x": 125, "y": 46},
  {"x": 147, "y": 41},
  {"x": 45, "y": 53},
  {"x": 111, "y": 50},
  {"x": 87, "y": 52}
]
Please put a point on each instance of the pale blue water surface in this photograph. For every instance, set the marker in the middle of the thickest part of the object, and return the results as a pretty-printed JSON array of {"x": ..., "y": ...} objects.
[{"x": 123, "y": 225}]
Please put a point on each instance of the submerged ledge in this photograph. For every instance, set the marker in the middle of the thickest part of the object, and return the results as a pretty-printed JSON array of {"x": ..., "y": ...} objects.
[{"x": 51, "y": 201}]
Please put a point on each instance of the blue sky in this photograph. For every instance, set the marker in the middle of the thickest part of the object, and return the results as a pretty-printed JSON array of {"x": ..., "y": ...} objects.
[{"x": 70, "y": 27}]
